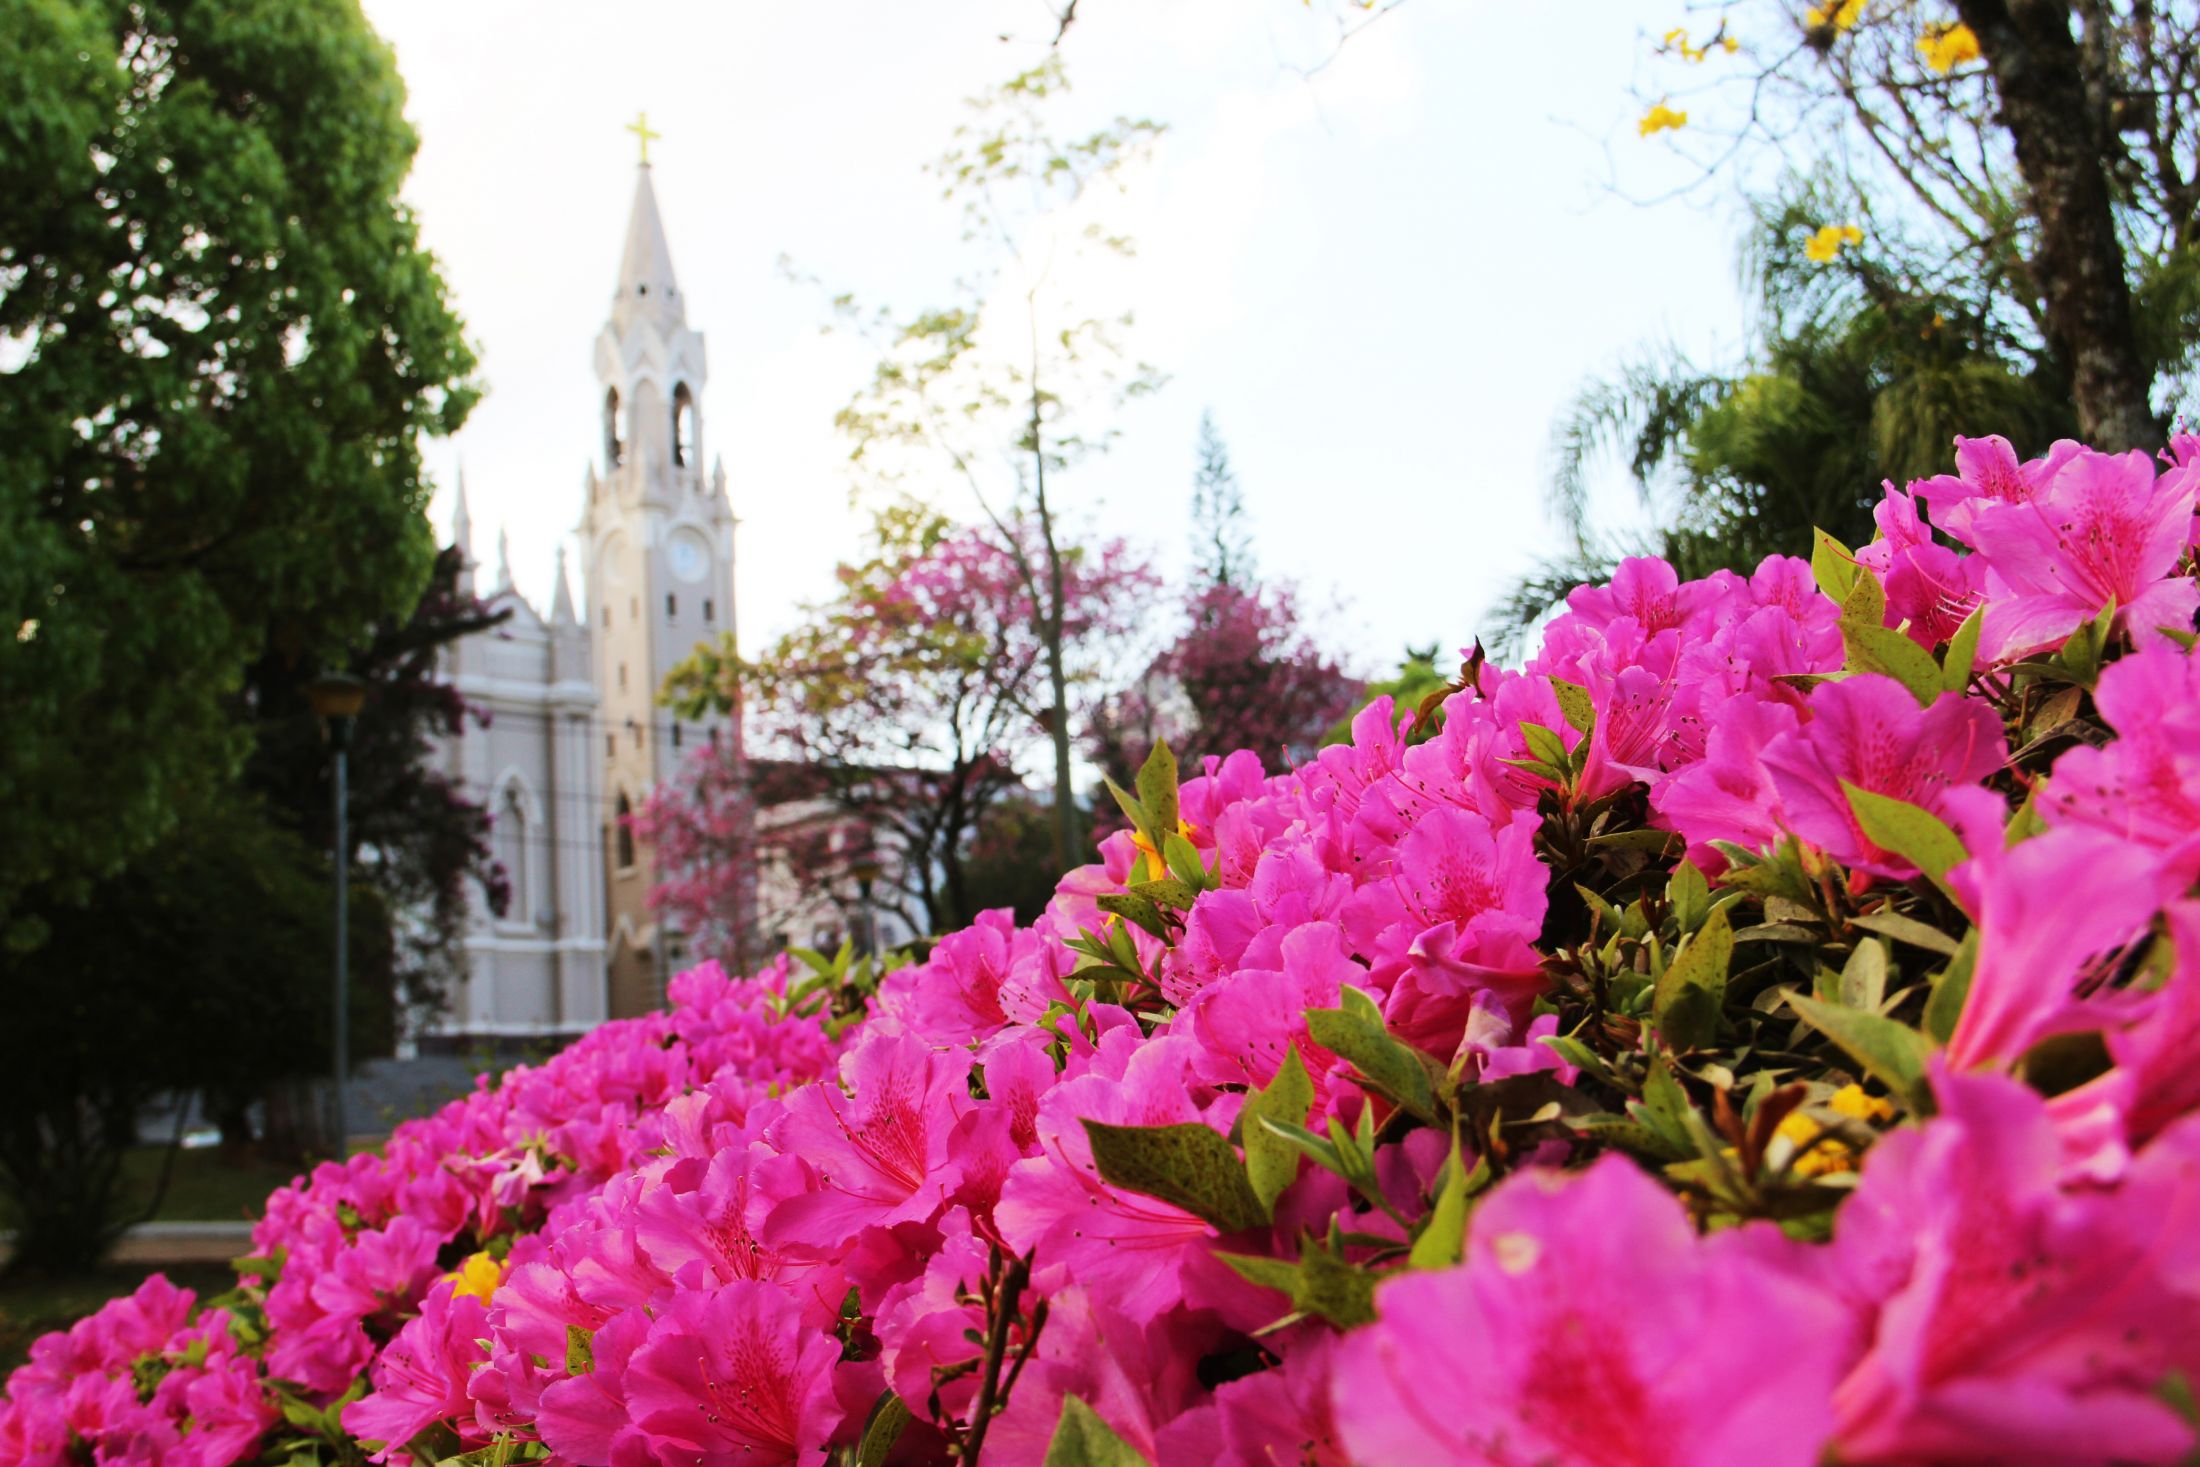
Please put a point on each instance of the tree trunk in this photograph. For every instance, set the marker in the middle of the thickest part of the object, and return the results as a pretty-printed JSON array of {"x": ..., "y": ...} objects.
[
  {"x": 1053, "y": 618},
  {"x": 2062, "y": 146}
]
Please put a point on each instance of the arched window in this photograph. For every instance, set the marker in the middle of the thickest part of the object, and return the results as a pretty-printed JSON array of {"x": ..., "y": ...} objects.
[
  {"x": 511, "y": 848},
  {"x": 614, "y": 438},
  {"x": 683, "y": 425},
  {"x": 625, "y": 837}
]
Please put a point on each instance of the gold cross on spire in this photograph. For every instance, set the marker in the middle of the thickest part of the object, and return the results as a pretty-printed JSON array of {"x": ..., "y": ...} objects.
[{"x": 640, "y": 128}]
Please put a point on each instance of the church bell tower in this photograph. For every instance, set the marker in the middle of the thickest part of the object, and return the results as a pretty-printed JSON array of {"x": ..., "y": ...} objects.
[{"x": 656, "y": 538}]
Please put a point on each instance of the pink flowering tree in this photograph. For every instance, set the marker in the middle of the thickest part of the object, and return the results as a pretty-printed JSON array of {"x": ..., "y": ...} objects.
[
  {"x": 918, "y": 695},
  {"x": 702, "y": 831},
  {"x": 1761, "y": 1029}
]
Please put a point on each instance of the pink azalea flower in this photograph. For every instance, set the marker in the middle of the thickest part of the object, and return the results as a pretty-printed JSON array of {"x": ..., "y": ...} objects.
[
  {"x": 2145, "y": 786},
  {"x": 1927, "y": 585},
  {"x": 1131, "y": 1248},
  {"x": 1729, "y": 795},
  {"x": 421, "y": 1376},
  {"x": 1589, "y": 1318},
  {"x": 2016, "y": 1321},
  {"x": 1988, "y": 474},
  {"x": 732, "y": 1377},
  {"x": 881, "y": 1150},
  {"x": 2046, "y": 908},
  {"x": 587, "y": 1418},
  {"x": 1869, "y": 731},
  {"x": 2101, "y": 528}
]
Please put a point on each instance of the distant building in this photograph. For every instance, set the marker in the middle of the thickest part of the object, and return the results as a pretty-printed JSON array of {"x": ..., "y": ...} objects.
[{"x": 575, "y": 737}]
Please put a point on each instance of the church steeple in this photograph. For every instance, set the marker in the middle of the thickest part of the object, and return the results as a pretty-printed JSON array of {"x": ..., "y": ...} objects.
[
  {"x": 462, "y": 536},
  {"x": 647, "y": 287}
]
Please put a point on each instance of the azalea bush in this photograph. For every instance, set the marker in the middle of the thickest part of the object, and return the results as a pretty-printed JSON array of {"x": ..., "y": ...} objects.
[{"x": 1763, "y": 1030}]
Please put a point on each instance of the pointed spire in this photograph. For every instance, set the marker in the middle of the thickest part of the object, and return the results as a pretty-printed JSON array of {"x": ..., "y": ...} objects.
[
  {"x": 646, "y": 282},
  {"x": 504, "y": 559},
  {"x": 561, "y": 601},
  {"x": 462, "y": 535}
]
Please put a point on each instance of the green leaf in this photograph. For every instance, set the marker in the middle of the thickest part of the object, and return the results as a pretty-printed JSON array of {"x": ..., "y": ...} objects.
[
  {"x": 1832, "y": 565},
  {"x": 1907, "y": 929},
  {"x": 1544, "y": 744},
  {"x": 1863, "y": 982},
  {"x": 1167, "y": 892},
  {"x": 1443, "y": 1236},
  {"x": 1574, "y": 702},
  {"x": 1962, "y": 657},
  {"x": 1944, "y": 1006},
  {"x": 1689, "y": 894},
  {"x": 1134, "y": 908},
  {"x": 1133, "y": 811},
  {"x": 1082, "y": 1439},
  {"x": 1656, "y": 841},
  {"x": 580, "y": 1351},
  {"x": 1188, "y": 1165},
  {"x": 1157, "y": 790},
  {"x": 1892, "y": 1052},
  {"x": 1916, "y": 835},
  {"x": 888, "y": 1418},
  {"x": 1865, "y": 602},
  {"x": 1184, "y": 863},
  {"x": 1883, "y": 650},
  {"x": 1319, "y": 1283},
  {"x": 1355, "y": 1031},
  {"x": 1271, "y": 1161},
  {"x": 1693, "y": 987}
]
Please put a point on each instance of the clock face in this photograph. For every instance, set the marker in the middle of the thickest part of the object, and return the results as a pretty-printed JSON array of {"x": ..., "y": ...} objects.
[{"x": 690, "y": 556}]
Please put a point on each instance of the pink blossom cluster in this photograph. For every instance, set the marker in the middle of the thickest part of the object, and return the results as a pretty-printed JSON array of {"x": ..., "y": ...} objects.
[{"x": 1347, "y": 1114}]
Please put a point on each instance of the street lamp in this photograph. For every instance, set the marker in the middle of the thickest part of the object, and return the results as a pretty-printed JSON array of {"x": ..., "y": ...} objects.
[
  {"x": 866, "y": 871},
  {"x": 336, "y": 699}
]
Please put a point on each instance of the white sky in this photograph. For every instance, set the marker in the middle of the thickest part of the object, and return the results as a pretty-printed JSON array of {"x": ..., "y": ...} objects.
[{"x": 1386, "y": 279}]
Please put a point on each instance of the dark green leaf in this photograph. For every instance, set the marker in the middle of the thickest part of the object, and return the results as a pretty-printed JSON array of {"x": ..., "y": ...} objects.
[
  {"x": 1188, "y": 1165},
  {"x": 1271, "y": 1161},
  {"x": 1319, "y": 1283},
  {"x": 1693, "y": 988},
  {"x": 888, "y": 1418},
  {"x": 1916, "y": 835},
  {"x": 1892, "y": 1052},
  {"x": 1355, "y": 1031},
  {"x": 1157, "y": 790}
]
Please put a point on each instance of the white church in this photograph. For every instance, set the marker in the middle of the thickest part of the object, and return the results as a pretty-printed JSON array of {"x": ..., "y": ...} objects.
[{"x": 575, "y": 737}]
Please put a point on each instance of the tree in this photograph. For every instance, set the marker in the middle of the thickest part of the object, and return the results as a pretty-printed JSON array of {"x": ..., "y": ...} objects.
[
  {"x": 999, "y": 387},
  {"x": 913, "y": 692},
  {"x": 414, "y": 838},
  {"x": 2038, "y": 158},
  {"x": 223, "y": 341},
  {"x": 1865, "y": 369},
  {"x": 702, "y": 830},
  {"x": 203, "y": 967},
  {"x": 1243, "y": 672},
  {"x": 1222, "y": 545}
]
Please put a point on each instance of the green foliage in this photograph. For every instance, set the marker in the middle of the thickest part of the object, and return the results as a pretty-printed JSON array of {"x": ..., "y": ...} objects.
[
  {"x": 1189, "y": 1165},
  {"x": 1082, "y": 1439},
  {"x": 230, "y": 341}
]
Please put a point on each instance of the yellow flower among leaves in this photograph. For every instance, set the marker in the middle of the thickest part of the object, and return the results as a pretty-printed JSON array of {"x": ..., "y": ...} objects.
[
  {"x": 1946, "y": 47},
  {"x": 1829, "y": 1156},
  {"x": 1661, "y": 118},
  {"x": 1827, "y": 242},
  {"x": 479, "y": 1276}
]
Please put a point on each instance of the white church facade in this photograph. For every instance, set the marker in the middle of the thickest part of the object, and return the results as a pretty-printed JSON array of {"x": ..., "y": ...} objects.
[{"x": 574, "y": 737}]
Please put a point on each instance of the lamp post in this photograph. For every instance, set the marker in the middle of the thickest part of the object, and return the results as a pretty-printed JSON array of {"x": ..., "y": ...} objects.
[
  {"x": 866, "y": 870},
  {"x": 336, "y": 699}
]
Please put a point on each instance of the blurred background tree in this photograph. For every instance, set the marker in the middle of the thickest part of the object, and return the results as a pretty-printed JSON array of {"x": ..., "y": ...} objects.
[{"x": 225, "y": 343}]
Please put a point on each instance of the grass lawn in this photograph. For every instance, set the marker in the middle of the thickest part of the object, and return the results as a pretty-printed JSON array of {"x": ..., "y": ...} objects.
[
  {"x": 30, "y": 1307},
  {"x": 207, "y": 1186}
]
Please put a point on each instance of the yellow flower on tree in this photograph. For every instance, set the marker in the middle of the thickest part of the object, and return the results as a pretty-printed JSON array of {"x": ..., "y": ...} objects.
[
  {"x": 1676, "y": 41},
  {"x": 1661, "y": 118},
  {"x": 479, "y": 1276},
  {"x": 1946, "y": 47},
  {"x": 1827, "y": 242},
  {"x": 1840, "y": 15}
]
